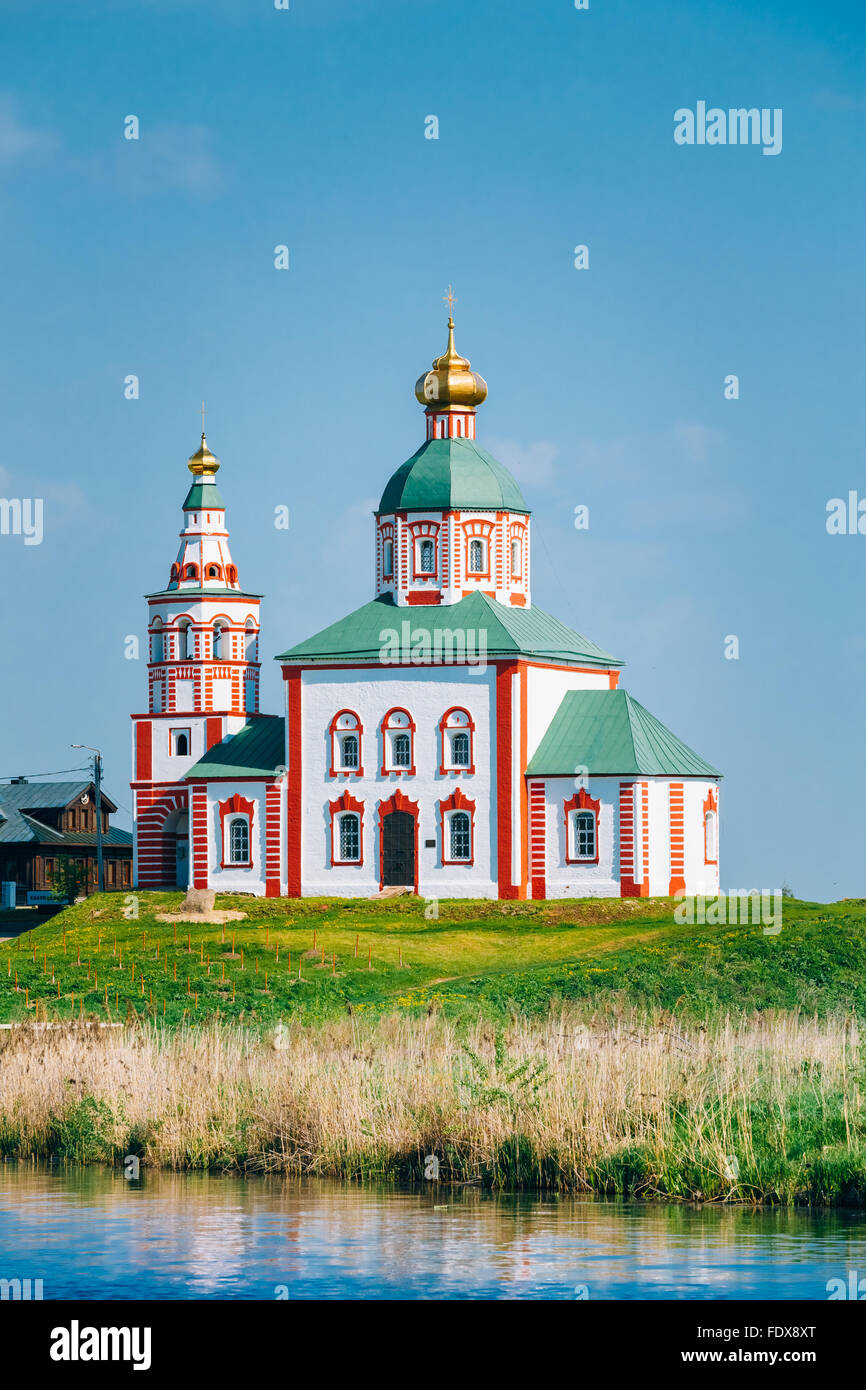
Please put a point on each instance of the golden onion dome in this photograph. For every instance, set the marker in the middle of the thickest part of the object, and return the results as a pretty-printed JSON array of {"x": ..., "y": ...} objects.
[
  {"x": 203, "y": 464},
  {"x": 450, "y": 381}
]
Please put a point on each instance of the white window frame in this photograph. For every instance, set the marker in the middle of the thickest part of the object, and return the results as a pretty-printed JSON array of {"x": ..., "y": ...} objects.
[
  {"x": 339, "y": 856},
  {"x": 239, "y": 818}
]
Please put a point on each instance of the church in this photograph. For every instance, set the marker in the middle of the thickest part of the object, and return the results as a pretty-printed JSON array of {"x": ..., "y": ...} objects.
[{"x": 448, "y": 737}]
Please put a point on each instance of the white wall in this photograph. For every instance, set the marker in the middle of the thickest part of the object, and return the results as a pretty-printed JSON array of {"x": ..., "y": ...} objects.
[
  {"x": 166, "y": 767},
  {"x": 545, "y": 688},
  {"x": 426, "y": 694},
  {"x": 599, "y": 880},
  {"x": 236, "y": 878},
  {"x": 603, "y": 879}
]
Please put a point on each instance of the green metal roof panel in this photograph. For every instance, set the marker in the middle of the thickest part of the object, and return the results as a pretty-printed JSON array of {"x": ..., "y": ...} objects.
[
  {"x": 202, "y": 497},
  {"x": 508, "y": 632},
  {"x": 609, "y": 733},
  {"x": 451, "y": 474},
  {"x": 256, "y": 750}
]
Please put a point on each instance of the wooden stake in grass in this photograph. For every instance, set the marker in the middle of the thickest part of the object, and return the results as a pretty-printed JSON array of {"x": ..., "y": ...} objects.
[
  {"x": 224, "y": 933},
  {"x": 106, "y": 996},
  {"x": 277, "y": 956},
  {"x": 188, "y": 943},
  {"x": 175, "y": 933},
  {"x": 133, "y": 972},
  {"x": 334, "y": 964},
  {"x": 369, "y": 957},
  {"x": 314, "y": 938},
  {"x": 224, "y": 969},
  {"x": 116, "y": 999},
  {"x": 266, "y": 982},
  {"x": 257, "y": 965},
  {"x": 356, "y": 946},
  {"x": 400, "y": 948},
  {"x": 243, "y": 967},
  {"x": 175, "y": 970},
  {"x": 267, "y": 935}
]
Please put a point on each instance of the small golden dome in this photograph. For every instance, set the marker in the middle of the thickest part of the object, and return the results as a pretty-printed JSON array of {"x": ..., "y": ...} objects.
[
  {"x": 450, "y": 381},
  {"x": 203, "y": 463}
]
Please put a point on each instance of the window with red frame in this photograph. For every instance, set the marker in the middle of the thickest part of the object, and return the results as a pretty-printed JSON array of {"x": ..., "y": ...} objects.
[
  {"x": 457, "y": 817},
  {"x": 581, "y": 829},
  {"x": 398, "y": 742},
  {"x": 457, "y": 738},
  {"x": 345, "y": 731}
]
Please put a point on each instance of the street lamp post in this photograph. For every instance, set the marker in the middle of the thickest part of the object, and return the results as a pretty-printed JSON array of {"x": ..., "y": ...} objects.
[{"x": 97, "y": 783}]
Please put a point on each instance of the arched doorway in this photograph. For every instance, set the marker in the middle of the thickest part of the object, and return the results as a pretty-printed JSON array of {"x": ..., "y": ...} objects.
[
  {"x": 176, "y": 828},
  {"x": 398, "y": 842}
]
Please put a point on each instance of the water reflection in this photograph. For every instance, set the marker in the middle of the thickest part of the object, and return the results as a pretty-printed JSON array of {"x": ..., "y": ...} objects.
[{"x": 88, "y": 1233}]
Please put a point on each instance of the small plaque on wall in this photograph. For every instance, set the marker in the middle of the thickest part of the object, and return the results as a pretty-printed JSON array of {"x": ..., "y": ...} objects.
[{"x": 429, "y": 844}]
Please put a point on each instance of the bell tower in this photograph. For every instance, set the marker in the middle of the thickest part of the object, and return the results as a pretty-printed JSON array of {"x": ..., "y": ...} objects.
[{"x": 202, "y": 668}]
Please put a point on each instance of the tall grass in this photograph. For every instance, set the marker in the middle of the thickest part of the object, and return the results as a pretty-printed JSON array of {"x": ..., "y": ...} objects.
[{"x": 764, "y": 1108}]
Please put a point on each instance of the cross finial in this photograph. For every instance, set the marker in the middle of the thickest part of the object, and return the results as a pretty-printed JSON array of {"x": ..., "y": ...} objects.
[
  {"x": 450, "y": 299},
  {"x": 203, "y": 414}
]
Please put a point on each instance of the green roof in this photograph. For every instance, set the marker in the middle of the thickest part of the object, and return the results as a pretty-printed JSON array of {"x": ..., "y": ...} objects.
[
  {"x": 256, "y": 750},
  {"x": 509, "y": 632},
  {"x": 608, "y": 732},
  {"x": 451, "y": 473},
  {"x": 201, "y": 496}
]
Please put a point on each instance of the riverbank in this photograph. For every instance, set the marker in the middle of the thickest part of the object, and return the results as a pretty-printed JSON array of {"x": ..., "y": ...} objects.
[{"x": 615, "y": 1101}]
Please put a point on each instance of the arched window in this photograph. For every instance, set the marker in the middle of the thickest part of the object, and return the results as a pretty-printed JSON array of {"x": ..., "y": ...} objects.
[
  {"x": 476, "y": 557},
  {"x": 581, "y": 828},
  {"x": 460, "y": 749},
  {"x": 191, "y": 572},
  {"x": 457, "y": 816},
  {"x": 157, "y": 645},
  {"x": 214, "y": 572},
  {"x": 251, "y": 644},
  {"x": 217, "y": 649},
  {"x": 347, "y": 830},
  {"x": 232, "y": 574},
  {"x": 515, "y": 558},
  {"x": 398, "y": 742},
  {"x": 456, "y": 741},
  {"x": 426, "y": 557},
  {"x": 183, "y": 640},
  {"x": 179, "y": 742},
  {"x": 349, "y": 749},
  {"x": 350, "y": 836},
  {"x": 345, "y": 732},
  {"x": 239, "y": 840},
  {"x": 388, "y": 559},
  {"x": 583, "y": 834},
  {"x": 460, "y": 833}
]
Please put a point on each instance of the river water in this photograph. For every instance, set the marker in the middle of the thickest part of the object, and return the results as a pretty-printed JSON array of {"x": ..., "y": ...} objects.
[{"x": 88, "y": 1233}]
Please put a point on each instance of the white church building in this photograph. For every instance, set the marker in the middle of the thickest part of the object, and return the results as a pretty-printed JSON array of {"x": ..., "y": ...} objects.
[{"x": 448, "y": 736}]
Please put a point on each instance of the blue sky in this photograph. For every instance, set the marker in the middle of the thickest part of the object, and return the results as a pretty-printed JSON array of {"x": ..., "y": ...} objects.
[{"x": 261, "y": 127}]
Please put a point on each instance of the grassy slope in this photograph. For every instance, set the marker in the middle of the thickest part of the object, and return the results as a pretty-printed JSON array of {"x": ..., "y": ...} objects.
[{"x": 490, "y": 957}]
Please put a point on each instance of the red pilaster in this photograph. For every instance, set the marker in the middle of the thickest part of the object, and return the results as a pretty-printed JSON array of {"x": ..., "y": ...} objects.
[{"x": 292, "y": 676}]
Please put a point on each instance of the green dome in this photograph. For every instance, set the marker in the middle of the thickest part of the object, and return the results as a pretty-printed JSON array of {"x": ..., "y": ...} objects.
[{"x": 450, "y": 475}]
